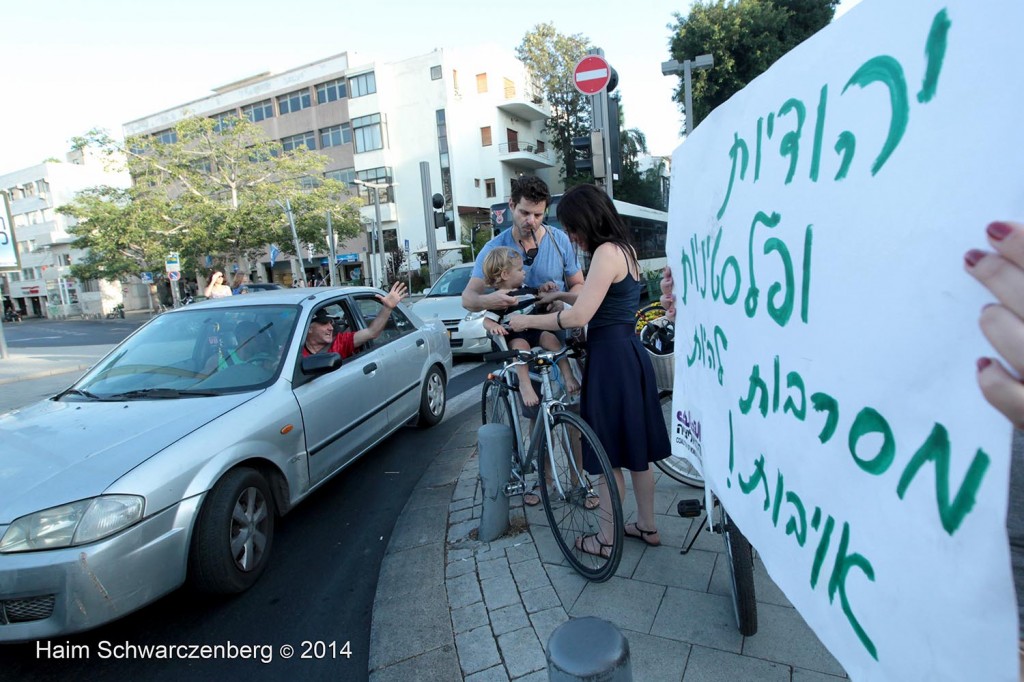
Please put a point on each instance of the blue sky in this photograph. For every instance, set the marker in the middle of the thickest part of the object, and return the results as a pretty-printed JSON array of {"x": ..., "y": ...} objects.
[{"x": 70, "y": 65}]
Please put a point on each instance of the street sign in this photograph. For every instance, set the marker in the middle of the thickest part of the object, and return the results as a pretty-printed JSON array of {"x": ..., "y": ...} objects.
[
  {"x": 172, "y": 263},
  {"x": 174, "y": 275},
  {"x": 591, "y": 74},
  {"x": 8, "y": 246},
  {"x": 147, "y": 277}
]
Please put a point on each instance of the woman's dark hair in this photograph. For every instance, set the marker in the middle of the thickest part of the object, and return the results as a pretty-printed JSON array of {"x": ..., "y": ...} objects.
[{"x": 588, "y": 214}]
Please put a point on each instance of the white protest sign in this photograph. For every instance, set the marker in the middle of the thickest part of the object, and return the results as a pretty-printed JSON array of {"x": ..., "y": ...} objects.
[
  {"x": 827, "y": 332},
  {"x": 8, "y": 247}
]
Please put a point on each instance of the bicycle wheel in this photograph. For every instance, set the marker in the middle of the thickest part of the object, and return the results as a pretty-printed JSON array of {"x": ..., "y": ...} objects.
[
  {"x": 566, "y": 497},
  {"x": 740, "y": 557},
  {"x": 494, "y": 405},
  {"x": 677, "y": 468}
]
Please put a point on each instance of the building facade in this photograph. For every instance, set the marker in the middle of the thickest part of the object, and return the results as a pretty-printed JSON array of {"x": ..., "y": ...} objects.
[
  {"x": 44, "y": 286},
  {"x": 470, "y": 114}
]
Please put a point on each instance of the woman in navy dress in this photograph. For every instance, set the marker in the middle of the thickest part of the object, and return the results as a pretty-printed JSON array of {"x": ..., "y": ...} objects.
[{"x": 620, "y": 395}]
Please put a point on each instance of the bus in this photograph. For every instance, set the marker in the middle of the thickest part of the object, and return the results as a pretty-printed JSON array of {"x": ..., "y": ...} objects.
[{"x": 648, "y": 228}]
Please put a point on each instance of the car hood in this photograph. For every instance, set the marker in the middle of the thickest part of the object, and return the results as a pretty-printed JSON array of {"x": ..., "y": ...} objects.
[
  {"x": 55, "y": 452},
  {"x": 443, "y": 307}
]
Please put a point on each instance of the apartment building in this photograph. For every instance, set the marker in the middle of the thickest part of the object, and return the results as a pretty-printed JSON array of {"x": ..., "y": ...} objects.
[
  {"x": 469, "y": 113},
  {"x": 44, "y": 286}
]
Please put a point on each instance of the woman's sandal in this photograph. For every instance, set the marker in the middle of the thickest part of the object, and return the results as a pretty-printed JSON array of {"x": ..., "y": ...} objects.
[
  {"x": 581, "y": 545},
  {"x": 641, "y": 534},
  {"x": 531, "y": 498}
]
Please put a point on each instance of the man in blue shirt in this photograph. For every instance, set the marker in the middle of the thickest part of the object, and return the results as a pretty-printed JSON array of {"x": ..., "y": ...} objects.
[{"x": 548, "y": 257}]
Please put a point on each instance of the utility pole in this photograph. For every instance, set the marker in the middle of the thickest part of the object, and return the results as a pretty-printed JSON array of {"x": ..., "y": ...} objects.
[{"x": 704, "y": 61}]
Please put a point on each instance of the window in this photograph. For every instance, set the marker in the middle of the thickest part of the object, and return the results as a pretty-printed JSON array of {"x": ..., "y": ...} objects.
[
  {"x": 43, "y": 186},
  {"x": 540, "y": 146},
  {"x": 455, "y": 81},
  {"x": 14, "y": 276},
  {"x": 485, "y": 136},
  {"x": 309, "y": 182},
  {"x": 166, "y": 136},
  {"x": 293, "y": 142},
  {"x": 365, "y": 84},
  {"x": 367, "y": 133},
  {"x": 377, "y": 176},
  {"x": 476, "y": 182},
  {"x": 510, "y": 89},
  {"x": 346, "y": 175},
  {"x": 330, "y": 91},
  {"x": 258, "y": 111},
  {"x": 16, "y": 193},
  {"x": 481, "y": 82},
  {"x": 491, "y": 187},
  {"x": 223, "y": 120},
  {"x": 398, "y": 325},
  {"x": 435, "y": 73},
  {"x": 335, "y": 136},
  {"x": 294, "y": 101}
]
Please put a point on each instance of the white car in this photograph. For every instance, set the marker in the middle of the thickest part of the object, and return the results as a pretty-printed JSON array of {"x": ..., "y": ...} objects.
[{"x": 444, "y": 302}]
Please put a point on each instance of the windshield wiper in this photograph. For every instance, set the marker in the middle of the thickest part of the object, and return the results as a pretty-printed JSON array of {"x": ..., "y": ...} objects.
[
  {"x": 77, "y": 391},
  {"x": 158, "y": 393}
]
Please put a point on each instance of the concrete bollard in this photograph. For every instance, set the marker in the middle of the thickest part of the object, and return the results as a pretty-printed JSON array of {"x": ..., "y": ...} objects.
[
  {"x": 588, "y": 649},
  {"x": 495, "y": 451}
]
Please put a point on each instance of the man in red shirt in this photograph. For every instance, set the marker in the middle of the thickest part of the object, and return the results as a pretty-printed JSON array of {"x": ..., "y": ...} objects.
[{"x": 320, "y": 338}]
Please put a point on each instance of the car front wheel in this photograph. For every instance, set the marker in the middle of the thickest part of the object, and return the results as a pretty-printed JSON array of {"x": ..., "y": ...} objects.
[
  {"x": 233, "y": 534},
  {"x": 433, "y": 400}
]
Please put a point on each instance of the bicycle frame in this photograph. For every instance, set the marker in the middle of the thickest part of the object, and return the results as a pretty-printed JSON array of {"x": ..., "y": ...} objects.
[{"x": 542, "y": 424}]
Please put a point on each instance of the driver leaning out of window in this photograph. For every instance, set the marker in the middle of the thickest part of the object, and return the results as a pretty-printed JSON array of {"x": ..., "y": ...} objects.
[{"x": 320, "y": 338}]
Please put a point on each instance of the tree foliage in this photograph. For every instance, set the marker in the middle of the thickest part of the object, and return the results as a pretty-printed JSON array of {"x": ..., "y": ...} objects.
[
  {"x": 745, "y": 37},
  {"x": 636, "y": 186},
  {"x": 550, "y": 57},
  {"x": 218, "y": 190}
]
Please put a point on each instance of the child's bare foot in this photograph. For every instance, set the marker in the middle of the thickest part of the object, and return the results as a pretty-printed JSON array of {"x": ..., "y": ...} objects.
[
  {"x": 572, "y": 387},
  {"x": 528, "y": 395}
]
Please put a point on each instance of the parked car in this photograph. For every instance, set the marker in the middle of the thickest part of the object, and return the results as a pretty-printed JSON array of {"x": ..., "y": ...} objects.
[
  {"x": 253, "y": 287},
  {"x": 172, "y": 458},
  {"x": 444, "y": 302}
]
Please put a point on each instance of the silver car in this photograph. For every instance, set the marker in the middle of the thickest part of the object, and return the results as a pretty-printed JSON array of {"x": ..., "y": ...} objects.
[{"x": 172, "y": 458}]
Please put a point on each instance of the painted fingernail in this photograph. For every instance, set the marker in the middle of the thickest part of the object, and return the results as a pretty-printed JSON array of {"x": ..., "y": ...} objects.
[
  {"x": 973, "y": 256},
  {"x": 983, "y": 363},
  {"x": 998, "y": 231}
]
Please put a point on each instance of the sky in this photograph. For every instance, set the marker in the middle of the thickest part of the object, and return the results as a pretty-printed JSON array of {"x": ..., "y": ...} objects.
[{"x": 81, "y": 64}]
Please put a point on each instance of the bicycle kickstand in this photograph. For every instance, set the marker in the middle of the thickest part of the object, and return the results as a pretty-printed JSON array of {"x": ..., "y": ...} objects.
[{"x": 691, "y": 509}]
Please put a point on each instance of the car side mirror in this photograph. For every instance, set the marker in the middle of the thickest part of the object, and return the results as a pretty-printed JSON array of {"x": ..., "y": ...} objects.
[{"x": 320, "y": 363}]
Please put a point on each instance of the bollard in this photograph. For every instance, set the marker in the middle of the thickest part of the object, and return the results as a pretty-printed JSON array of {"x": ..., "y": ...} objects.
[
  {"x": 588, "y": 649},
  {"x": 495, "y": 451}
]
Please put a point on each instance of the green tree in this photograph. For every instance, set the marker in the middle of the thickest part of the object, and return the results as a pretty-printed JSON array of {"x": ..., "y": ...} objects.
[
  {"x": 550, "y": 57},
  {"x": 218, "y": 188},
  {"x": 745, "y": 37},
  {"x": 635, "y": 186}
]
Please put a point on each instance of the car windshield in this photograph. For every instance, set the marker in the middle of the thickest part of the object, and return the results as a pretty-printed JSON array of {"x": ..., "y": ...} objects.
[
  {"x": 195, "y": 352},
  {"x": 451, "y": 283}
]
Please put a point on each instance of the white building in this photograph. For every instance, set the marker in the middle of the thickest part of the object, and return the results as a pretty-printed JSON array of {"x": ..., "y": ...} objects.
[
  {"x": 471, "y": 114},
  {"x": 44, "y": 287}
]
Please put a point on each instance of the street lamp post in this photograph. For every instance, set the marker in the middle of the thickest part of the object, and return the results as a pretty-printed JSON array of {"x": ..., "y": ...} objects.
[
  {"x": 378, "y": 229},
  {"x": 704, "y": 61}
]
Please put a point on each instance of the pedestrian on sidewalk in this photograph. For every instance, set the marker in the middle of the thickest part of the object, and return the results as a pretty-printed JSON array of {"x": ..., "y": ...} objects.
[{"x": 619, "y": 399}]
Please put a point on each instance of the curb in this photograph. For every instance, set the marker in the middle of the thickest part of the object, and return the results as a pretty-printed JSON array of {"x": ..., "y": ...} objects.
[{"x": 44, "y": 374}]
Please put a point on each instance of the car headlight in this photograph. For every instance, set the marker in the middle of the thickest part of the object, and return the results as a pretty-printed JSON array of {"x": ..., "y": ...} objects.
[
  {"x": 474, "y": 316},
  {"x": 72, "y": 524}
]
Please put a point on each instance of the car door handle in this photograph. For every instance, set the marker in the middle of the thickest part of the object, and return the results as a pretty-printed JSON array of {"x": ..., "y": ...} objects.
[
  {"x": 370, "y": 368},
  {"x": 420, "y": 342}
]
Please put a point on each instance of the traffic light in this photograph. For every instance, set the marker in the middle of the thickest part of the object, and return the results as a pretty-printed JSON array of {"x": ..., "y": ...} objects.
[
  {"x": 441, "y": 218},
  {"x": 589, "y": 154}
]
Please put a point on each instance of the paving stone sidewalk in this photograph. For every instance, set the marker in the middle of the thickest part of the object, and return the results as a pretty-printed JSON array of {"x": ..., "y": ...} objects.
[{"x": 451, "y": 607}]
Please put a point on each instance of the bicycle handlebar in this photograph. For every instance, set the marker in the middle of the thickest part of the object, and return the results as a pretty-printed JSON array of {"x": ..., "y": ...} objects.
[{"x": 548, "y": 356}]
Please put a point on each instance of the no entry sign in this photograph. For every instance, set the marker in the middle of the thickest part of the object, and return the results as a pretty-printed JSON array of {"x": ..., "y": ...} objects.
[{"x": 591, "y": 74}]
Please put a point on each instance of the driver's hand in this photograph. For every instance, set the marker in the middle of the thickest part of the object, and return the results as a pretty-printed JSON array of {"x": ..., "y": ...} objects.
[{"x": 500, "y": 299}]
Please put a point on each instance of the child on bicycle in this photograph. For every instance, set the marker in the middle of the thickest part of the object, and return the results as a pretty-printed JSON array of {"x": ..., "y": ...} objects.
[{"x": 503, "y": 270}]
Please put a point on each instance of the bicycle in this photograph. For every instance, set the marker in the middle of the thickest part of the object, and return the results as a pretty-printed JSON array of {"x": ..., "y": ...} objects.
[
  {"x": 556, "y": 443},
  {"x": 658, "y": 336}
]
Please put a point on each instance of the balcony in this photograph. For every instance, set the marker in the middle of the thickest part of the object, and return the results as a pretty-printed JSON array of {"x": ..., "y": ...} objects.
[
  {"x": 526, "y": 154},
  {"x": 525, "y": 109},
  {"x": 388, "y": 212}
]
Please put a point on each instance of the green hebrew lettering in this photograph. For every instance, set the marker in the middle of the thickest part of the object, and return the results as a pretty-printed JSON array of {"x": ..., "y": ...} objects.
[
  {"x": 819, "y": 133},
  {"x": 887, "y": 71},
  {"x": 837, "y": 583},
  {"x": 823, "y": 402},
  {"x": 756, "y": 384},
  {"x": 846, "y": 145},
  {"x": 791, "y": 141},
  {"x": 762, "y": 218},
  {"x": 792, "y": 527},
  {"x": 936, "y": 449},
  {"x": 738, "y": 152},
  {"x": 868, "y": 421},
  {"x": 757, "y": 479},
  {"x": 822, "y": 550},
  {"x": 935, "y": 49},
  {"x": 781, "y": 313},
  {"x": 794, "y": 380}
]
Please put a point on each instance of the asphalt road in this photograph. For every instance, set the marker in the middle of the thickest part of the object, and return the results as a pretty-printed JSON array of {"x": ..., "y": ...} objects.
[
  {"x": 316, "y": 595},
  {"x": 33, "y": 333}
]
